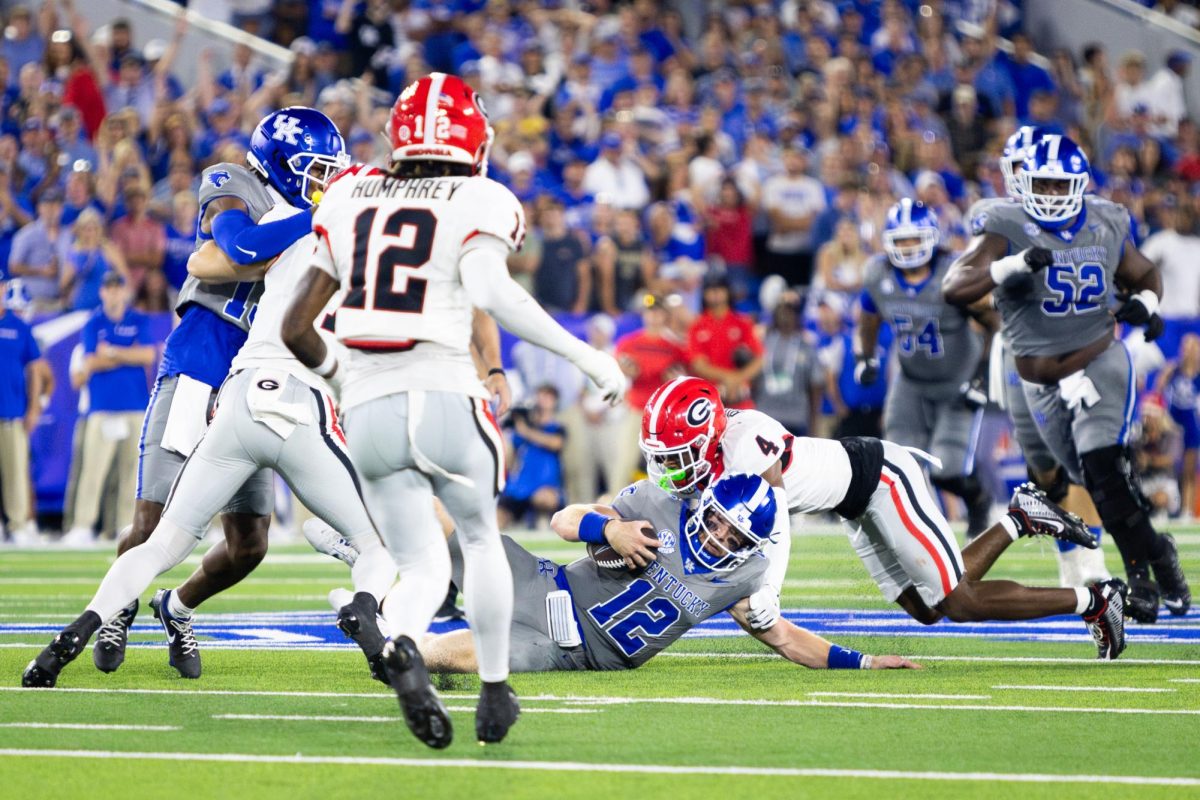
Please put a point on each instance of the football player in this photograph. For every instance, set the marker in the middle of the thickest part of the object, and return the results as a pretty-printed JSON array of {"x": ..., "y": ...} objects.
[
  {"x": 1054, "y": 262},
  {"x": 272, "y": 413},
  {"x": 1077, "y": 566},
  {"x": 932, "y": 404},
  {"x": 583, "y": 616},
  {"x": 879, "y": 489},
  {"x": 214, "y": 318},
  {"x": 415, "y": 247}
]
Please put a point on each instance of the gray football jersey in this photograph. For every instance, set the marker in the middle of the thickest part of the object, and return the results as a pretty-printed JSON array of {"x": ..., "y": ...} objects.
[
  {"x": 233, "y": 301},
  {"x": 627, "y": 618},
  {"x": 934, "y": 339},
  {"x": 1066, "y": 305}
]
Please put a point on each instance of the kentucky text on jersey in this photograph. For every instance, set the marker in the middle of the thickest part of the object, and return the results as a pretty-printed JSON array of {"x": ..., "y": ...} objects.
[
  {"x": 406, "y": 189},
  {"x": 1080, "y": 255},
  {"x": 675, "y": 588}
]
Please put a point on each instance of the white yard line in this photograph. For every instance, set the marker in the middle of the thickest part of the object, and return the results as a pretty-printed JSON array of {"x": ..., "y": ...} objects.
[
  {"x": 639, "y": 769},
  {"x": 1184, "y": 680},
  {"x": 1135, "y": 689},
  {"x": 88, "y": 726},
  {"x": 1081, "y": 661},
  {"x": 901, "y": 696},
  {"x": 341, "y": 718}
]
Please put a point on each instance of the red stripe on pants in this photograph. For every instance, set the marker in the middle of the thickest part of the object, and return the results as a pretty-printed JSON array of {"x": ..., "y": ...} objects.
[{"x": 920, "y": 537}]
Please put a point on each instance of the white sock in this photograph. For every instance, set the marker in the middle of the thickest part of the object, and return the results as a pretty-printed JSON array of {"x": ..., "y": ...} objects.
[
  {"x": 131, "y": 574},
  {"x": 488, "y": 593},
  {"x": 1083, "y": 599},
  {"x": 1010, "y": 527},
  {"x": 339, "y": 597},
  {"x": 411, "y": 603},
  {"x": 374, "y": 571},
  {"x": 176, "y": 608}
]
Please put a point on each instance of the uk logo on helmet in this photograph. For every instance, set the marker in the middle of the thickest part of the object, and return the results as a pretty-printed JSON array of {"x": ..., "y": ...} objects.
[
  {"x": 286, "y": 130},
  {"x": 699, "y": 412}
]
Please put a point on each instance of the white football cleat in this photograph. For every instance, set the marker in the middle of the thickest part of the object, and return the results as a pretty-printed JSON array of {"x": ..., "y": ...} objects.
[
  {"x": 78, "y": 537},
  {"x": 325, "y": 539}
]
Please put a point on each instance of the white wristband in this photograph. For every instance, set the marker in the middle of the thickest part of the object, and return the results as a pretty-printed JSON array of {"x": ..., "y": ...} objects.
[
  {"x": 327, "y": 367},
  {"x": 1007, "y": 267},
  {"x": 866, "y": 662},
  {"x": 1149, "y": 299}
]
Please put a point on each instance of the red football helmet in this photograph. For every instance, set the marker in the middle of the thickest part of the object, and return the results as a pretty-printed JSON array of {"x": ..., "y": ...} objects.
[
  {"x": 440, "y": 118},
  {"x": 681, "y": 431}
]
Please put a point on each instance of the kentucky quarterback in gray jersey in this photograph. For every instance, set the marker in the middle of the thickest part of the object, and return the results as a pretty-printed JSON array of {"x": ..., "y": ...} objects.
[
  {"x": 585, "y": 616},
  {"x": 931, "y": 405},
  {"x": 1055, "y": 264}
]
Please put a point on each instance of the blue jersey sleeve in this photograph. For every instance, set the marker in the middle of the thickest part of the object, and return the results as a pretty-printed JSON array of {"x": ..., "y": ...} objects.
[
  {"x": 867, "y": 303},
  {"x": 245, "y": 242},
  {"x": 29, "y": 347},
  {"x": 90, "y": 335}
]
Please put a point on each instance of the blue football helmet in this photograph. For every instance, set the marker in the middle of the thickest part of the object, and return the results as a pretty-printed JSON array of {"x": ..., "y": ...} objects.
[
  {"x": 297, "y": 149},
  {"x": 1016, "y": 149},
  {"x": 1055, "y": 160},
  {"x": 910, "y": 234},
  {"x": 746, "y": 503}
]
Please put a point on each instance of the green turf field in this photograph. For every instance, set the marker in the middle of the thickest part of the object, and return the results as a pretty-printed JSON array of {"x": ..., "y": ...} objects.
[{"x": 715, "y": 717}]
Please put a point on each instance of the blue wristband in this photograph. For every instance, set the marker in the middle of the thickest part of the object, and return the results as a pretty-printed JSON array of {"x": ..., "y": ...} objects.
[
  {"x": 841, "y": 658},
  {"x": 591, "y": 528}
]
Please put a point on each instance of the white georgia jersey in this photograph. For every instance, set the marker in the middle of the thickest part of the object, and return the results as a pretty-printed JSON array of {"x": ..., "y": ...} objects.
[
  {"x": 394, "y": 245},
  {"x": 816, "y": 472},
  {"x": 264, "y": 345}
]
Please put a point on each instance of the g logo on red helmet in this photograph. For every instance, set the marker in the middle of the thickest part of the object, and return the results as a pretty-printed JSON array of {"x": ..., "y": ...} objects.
[{"x": 699, "y": 412}]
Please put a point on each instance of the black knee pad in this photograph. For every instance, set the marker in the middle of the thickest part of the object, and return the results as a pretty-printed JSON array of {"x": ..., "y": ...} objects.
[
  {"x": 1108, "y": 474},
  {"x": 965, "y": 486},
  {"x": 1058, "y": 487}
]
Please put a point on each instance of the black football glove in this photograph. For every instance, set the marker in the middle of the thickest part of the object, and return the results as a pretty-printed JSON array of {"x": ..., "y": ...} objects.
[
  {"x": 1038, "y": 258},
  {"x": 866, "y": 371},
  {"x": 1132, "y": 311},
  {"x": 973, "y": 394},
  {"x": 1154, "y": 328}
]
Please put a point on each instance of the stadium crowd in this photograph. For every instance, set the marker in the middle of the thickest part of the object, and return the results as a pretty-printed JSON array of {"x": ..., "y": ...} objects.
[{"x": 703, "y": 184}]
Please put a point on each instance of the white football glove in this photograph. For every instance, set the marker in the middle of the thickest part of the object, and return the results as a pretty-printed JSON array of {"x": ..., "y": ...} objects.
[
  {"x": 606, "y": 373},
  {"x": 1078, "y": 391},
  {"x": 764, "y": 609}
]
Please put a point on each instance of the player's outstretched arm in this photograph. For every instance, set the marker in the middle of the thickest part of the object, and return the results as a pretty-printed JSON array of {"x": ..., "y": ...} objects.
[
  {"x": 485, "y": 349},
  {"x": 566, "y": 521},
  {"x": 603, "y": 525},
  {"x": 298, "y": 332},
  {"x": 211, "y": 265},
  {"x": 809, "y": 650},
  {"x": 971, "y": 275},
  {"x": 1142, "y": 282}
]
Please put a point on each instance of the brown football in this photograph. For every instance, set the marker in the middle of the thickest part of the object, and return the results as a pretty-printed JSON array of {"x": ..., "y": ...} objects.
[{"x": 608, "y": 558}]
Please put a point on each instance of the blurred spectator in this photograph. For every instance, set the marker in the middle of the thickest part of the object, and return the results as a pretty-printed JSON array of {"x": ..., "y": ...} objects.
[
  {"x": 617, "y": 173},
  {"x": 601, "y": 426},
  {"x": 1179, "y": 11},
  {"x": 840, "y": 261},
  {"x": 792, "y": 201},
  {"x": 1130, "y": 88},
  {"x": 792, "y": 380},
  {"x": 625, "y": 266},
  {"x": 67, "y": 62},
  {"x": 39, "y": 253},
  {"x": 677, "y": 248},
  {"x": 723, "y": 347},
  {"x": 968, "y": 138},
  {"x": 181, "y": 238},
  {"x": 1026, "y": 76},
  {"x": 563, "y": 280},
  {"x": 118, "y": 347},
  {"x": 24, "y": 382},
  {"x": 1178, "y": 385},
  {"x": 139, "y": 236},
  {"x": 89, "y": 259},
  {"x": 1174, "y": 250},
  {"x": 23, "y": 42},
  {"x": 535, "y": 483},
  {"x": 1164, "y": 93},
  {"x": 729, "y": 235},
  {"x": 1156, "y": 451}
]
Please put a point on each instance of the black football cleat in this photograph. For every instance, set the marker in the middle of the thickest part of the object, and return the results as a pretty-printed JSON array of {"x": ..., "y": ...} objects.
[
  {"x": 1106, "y": 618},
  {"x": 183, "y": 650},
  {"x": 109, "y": 652},
  {"x": 1037, "y": 515},
  {"x": 64, "y": 648},
  {"x": 1176, "y": 594},
  {"x": 497, "y": 711},
  {"x": 449, "y": 611},
  {"x": 1141, "y": 602},
  {"x": 357, "y": 619},
  {"x": 424, "y": 712}
]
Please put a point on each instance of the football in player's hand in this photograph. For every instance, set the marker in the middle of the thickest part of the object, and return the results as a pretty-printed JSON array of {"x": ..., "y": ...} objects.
[{"x": 605, "y": 556}]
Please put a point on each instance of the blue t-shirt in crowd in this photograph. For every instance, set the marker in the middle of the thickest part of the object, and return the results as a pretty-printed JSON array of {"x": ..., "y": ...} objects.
[
  {"x": 123, "y": 388},
  {"x": 538, "y": 466},
  {"x": 17, "y": 349},
  {"x": 179, "y": 247},
  {"x": 89, "y": 266}
]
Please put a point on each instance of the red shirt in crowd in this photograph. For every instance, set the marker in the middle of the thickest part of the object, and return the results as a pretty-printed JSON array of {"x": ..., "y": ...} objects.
[
  {"x": 83, "y": 92},
  {"x": 654, "y": 358},
  {"x": 731, "y": 235},
  {"x": 719, "y": 339}
]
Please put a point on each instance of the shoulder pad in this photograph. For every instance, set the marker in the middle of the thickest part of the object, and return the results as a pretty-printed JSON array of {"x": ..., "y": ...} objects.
[
  {"x": 979, "y": 211},
  {"x": 494, "y": 210},
  {"x": 231, "y": 180}
]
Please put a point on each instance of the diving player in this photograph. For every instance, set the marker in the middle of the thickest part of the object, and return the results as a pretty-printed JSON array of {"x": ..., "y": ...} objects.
[
  {"x": 585, "y": 617},
  {"x": 879, "y": 489},
  {"x": 415, "y": 247},
  {"x": 1077, "y": 566},
  {"x": 215, "y": 317},
  {"x": 272, "y": 413},
  {"x": 932, "y": 404},
  {"x": 1055, "y": 261}
]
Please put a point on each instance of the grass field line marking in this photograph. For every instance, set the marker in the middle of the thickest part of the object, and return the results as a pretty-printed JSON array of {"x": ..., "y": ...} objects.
[
  {"x": 977, "y": 659},
  {"x": 1184, "y": 680},
  {"x": 1084, "y": 688},
  {"x": 344, "y": 718},
  {"x": 88, "y": 726},
  {"x": 568, "y": 766},
  {"x": 901, "y": 695}
]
